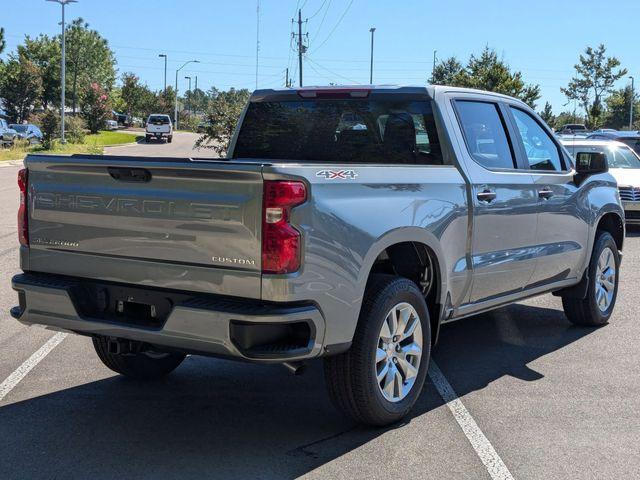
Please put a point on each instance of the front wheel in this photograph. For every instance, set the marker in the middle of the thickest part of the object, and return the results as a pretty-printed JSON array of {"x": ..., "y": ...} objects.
[
  {"x": 169, "y": 138},
  {"x": 596, "y": 308},
  {"x": 141, "y": 366},
  {"x": 379, "y": 379}
]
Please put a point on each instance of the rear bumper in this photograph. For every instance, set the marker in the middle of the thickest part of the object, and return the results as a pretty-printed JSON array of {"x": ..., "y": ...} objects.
[{"x": 206, "y": 325}]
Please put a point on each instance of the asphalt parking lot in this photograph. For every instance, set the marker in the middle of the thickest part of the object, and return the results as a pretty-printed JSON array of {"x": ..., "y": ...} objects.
[
  {"x": 181, "y": 146},
  {"x": 554, "y": 401}
]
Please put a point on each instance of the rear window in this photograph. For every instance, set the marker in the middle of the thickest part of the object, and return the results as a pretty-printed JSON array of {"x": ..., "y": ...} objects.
[
  {"x": 159, "y": 119},
  {"x": 340, "y": 131}
]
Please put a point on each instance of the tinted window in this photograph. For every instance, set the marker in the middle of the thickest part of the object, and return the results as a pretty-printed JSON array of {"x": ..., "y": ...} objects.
[
  {"x": 340, "y": 131},
  {"x": 19, "y": 128},
  {"x": 159, "y": 119},
  {"x": 542, "y": 152},
  {"x": 634, "y": 143},
  {"x": 485, "y": 134}
]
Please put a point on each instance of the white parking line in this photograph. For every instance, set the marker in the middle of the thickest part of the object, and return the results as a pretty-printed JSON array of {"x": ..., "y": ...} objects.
[
  {"x": 18, "y": 374},
  {"x": 489, "y": 457}
]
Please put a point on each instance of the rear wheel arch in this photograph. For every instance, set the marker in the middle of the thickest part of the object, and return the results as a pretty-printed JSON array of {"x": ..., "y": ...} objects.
[
  {"x": 612, "y": 222},
  {"x": 410, "y": 257}
]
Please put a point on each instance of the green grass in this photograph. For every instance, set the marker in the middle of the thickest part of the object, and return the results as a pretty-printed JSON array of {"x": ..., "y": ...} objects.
[{"x": 92, "y": 144}]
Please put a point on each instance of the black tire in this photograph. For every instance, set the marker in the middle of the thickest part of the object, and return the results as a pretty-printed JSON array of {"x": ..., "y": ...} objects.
[
  {"x": 350, "y": 376},
  {"x": 585, "y": 311},
  {"x": 147, "y": 138},
  {"x": 170, "y": 139},
  {"x": 140, "y": 366}
]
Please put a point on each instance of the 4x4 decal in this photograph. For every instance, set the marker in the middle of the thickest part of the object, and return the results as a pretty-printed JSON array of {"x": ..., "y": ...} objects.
[{"x": 337, "y": 174}]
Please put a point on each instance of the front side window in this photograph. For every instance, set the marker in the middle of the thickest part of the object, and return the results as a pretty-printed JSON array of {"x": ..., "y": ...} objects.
[
  {"x": 485, "y": 134},
  {"x": 542, "y": 152},
  {"x": 372, "y": 130}
]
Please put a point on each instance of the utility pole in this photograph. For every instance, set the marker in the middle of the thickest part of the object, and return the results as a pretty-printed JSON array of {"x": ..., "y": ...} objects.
[
  {"x": 175, "y": 111},
  {"x": 190, "y": 95},
  {"x": 62, "y": 68},
  {"x": 286, "y": 78},
  {"x": 196, "y": 91},
  {"x": 433, "y": 69},
  {"x": 372, "y": 30},
  {"x": 165, "y": 72},
  {"x": 257, "y": 38},
  {"x": 302, "y": 48},
  {"x": 631, "y": 108}
]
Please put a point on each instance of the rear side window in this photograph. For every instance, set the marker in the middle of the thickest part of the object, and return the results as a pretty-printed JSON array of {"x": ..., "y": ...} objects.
[
  {"x": 340, "y": 131},
  {"x": 485, "y": 134},
  {"x": 542, "y": 152},
  {"x": 634, "y": 143}
]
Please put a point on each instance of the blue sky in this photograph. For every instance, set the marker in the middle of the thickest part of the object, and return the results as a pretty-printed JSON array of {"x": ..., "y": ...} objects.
[{"x": 542, "y": 38}]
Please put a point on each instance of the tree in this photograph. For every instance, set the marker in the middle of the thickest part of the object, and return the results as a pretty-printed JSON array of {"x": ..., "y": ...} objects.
[
  {"x": 447, "y": 72},
  {"x": 547, "y": 115},
  {"x": 89, "y": 59},
  {"x": 224, "y": 111},
  {"x": 20, "y": 87},
  {"x": 95, "y": 107},
  {"x": 486, "y": 72},
  {"x": 595, "y": 76},
  {"x": 44, "y": 52},
  {"x": 618, "y": 108}
]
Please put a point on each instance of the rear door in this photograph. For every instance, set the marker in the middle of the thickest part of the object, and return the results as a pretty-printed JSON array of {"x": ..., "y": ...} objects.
[
  {"x": 177, "y": 224},
  {"x": 563, "y": 230},
  {"x": 504, "y": 199}
]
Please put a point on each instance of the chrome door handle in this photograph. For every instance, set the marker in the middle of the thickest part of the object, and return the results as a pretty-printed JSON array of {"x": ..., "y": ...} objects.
[
  {"x": 486, "y": 196},
  {"x": 545, "y": 193}
]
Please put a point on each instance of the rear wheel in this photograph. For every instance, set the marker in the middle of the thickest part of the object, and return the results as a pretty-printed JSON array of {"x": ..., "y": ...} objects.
[
  {"x": 596, "y": 308},
  {"x": 147, "y": 365},
  {"x": 380, "y": 378}
]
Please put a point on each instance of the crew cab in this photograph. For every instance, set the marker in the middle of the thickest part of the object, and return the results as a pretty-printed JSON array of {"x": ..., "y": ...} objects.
[
  {"x": 345, "y": 223},
  {"x": 159, "y": 127}
]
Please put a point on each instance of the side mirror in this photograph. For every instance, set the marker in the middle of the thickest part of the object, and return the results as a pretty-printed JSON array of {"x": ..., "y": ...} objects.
[{"x": 590, "y": 163}]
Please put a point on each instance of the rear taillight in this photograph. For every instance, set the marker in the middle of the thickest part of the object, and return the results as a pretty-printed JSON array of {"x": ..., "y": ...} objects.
[
  {"x": 23, "y": 210},
  {"x": 280, "y": 241}
]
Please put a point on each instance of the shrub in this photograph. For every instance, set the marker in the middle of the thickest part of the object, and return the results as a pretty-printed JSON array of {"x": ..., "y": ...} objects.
[
  {"x": 49, "y": 124},
  {"x": 74, "y": 128},
  {"x": 95, "y": 107}
]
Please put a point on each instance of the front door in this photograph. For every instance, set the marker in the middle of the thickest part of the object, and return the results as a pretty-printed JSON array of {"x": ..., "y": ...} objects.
[{"x": 562, "y": 233}]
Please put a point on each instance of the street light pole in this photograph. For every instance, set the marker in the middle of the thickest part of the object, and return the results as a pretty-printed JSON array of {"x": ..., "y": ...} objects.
[
  {"x": 190, "y": 94},
  {"x": 165, "y": 72},
  {"x": 372, "y": 30},
  {"x": 175, "y": 111},
  {"x": 63, "y": 67},
  {"x": 631, "y": 108}
]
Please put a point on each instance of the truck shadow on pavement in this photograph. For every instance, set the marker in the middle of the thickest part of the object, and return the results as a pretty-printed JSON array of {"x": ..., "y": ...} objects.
[{"x": 219, "y": 419}]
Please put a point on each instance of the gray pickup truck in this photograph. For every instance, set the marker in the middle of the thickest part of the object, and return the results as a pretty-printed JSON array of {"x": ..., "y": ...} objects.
[{"x": 346, "y": 223}]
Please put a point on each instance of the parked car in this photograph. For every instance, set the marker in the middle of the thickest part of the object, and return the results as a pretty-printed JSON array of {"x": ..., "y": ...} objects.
[
  {"x": 122, "y": 119},
  {"x": 630, "y": 138},
  {"x": 202, "y": 127},
  {"x": 7, "y": 135},
  {"x": 573, "y": 129},
  {"x": 27, "y": 131},
  {"x": 110, "y": 125},
  {"x": 624, "y": 165},
  {"x": 158, "y": 127},
  {"x": 355, "y": 246}
]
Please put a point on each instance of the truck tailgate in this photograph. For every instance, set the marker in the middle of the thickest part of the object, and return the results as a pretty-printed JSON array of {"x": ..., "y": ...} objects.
[{"x": 174, "y": 223}]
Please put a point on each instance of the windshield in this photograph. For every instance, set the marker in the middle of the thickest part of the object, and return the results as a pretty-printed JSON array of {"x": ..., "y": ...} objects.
[
  {"x": 19, "y": 128},
  {"x": 617, "y": 156},
  {"x": 340, "y": 131}
]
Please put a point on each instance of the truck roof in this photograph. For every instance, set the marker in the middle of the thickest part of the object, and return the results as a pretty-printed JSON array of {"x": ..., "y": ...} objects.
[{"x": 429, "y": 90}]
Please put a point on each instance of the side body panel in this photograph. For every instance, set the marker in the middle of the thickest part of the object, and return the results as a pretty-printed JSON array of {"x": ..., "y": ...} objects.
[{"x": 347, "y": 223}]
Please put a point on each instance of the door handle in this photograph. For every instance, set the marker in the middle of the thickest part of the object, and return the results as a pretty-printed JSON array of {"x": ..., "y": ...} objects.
[
  {"x": 545, "y": 193},
  {"x": 486, "y": 196}
]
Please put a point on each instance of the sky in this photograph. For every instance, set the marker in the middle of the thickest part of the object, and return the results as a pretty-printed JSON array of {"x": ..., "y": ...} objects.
[{"x": 541, "y": 38}]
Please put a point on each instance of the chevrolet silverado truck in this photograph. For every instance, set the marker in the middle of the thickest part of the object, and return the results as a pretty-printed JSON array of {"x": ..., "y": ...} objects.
[{"x": 345, "y": 223}]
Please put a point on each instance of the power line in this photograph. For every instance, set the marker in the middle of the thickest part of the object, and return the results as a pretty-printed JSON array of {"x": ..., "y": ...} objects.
[
  {"x": 317, "y": 11},
  {"x": 321, "y": 21},
  {"x": 331, "y": 72},
  {"x": 335, "y": 26}
]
